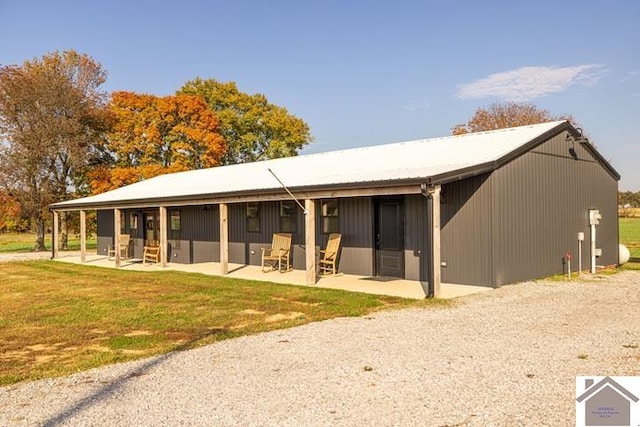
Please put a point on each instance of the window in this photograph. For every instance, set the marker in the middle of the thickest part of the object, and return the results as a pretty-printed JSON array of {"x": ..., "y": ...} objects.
[
  {"x": 330, "y": 223},
  {"x": 133, "y": 221},
  {"x": 253, "y": 218},
  {"x": 174, "y": 228},
  {"x": 288, "y": 216},
  {"x": 123, "y": 224}
]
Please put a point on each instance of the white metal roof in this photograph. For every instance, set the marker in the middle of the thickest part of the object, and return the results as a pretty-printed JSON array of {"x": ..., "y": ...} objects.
[{"x": 410, "y": 160}]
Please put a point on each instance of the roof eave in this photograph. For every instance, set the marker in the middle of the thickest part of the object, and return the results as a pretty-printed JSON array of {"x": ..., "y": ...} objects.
[
  {"x": 562, "y": 127},
  {"x": 405, "y": 186}
]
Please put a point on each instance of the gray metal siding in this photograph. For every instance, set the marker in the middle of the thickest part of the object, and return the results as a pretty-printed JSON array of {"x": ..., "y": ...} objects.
[
  {"x": 541, "y": 202},
  {"x": 356, "y": 226},
  {"x": 465, "y": 215},
  {"x": 355, "y": 223},
  {"x": 200, "y": 235},
  {"x": 104, "y": 220},
  {"x": 199, "y": 229},
  {"x": 415, "y": 238},
  {"x": 247, "y": 245},
  {"x": 244, "y": 247}
]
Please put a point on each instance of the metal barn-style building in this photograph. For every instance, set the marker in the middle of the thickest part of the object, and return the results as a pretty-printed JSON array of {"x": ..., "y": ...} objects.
[{"x": 487, "y": 208}]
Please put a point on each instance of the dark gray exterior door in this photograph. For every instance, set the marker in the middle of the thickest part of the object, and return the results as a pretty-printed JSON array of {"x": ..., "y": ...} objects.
[{"x": 389, "y": 237}]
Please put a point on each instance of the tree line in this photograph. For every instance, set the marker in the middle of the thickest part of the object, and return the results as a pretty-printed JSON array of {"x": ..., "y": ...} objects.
[
  {"x": 62, "y": 136},
  {"x": 629, "y": 199}
]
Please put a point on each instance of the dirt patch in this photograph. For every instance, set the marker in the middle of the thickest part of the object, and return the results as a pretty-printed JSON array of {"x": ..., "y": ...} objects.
[
  {"x": 99, "y": 348},
  {"x": 306, "y": 304},
  {"x": 12, "y": 355},
  {"x": 44, "y": 359},
  {"x": 250, "y": 311},
  {"x": 283, "y": 316},
  {"x": 42, "y": 347}
]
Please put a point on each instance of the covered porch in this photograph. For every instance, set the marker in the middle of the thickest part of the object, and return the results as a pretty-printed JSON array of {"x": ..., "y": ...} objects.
[
  {"x": 353, "y": 283},
  {"x": 424, "y": 255}
]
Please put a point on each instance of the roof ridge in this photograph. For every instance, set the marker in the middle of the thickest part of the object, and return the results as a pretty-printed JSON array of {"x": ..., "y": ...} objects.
[{"x": 408, "y": 141}]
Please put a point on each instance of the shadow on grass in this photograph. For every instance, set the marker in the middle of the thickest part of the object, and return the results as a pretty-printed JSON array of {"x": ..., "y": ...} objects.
[{"x": 109, "y": 389}]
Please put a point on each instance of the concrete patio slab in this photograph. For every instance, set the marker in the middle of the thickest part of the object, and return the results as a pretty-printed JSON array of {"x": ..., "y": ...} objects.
[{"x": 353, "y": 283}]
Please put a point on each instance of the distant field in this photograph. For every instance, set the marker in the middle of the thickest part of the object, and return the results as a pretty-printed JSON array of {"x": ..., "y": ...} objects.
[
  {"x": 25, "y": 242},
  {"x": 629, "y": 212},
  {"x": 630, "y": 235}
]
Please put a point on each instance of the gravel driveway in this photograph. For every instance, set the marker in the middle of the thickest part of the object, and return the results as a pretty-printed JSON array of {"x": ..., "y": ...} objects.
[
  {"x": 503, "y": 358},
  {"x": 32, "y": 256}
]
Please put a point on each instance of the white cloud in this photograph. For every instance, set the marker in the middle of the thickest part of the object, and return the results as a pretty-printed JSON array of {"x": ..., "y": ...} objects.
[
  {"x": 528, "y": 83},
  {"x": 415, "y": 106},
  {"x": 631, "y": 75}
]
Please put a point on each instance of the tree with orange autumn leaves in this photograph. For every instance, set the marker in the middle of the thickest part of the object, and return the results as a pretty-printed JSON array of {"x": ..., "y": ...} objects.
[
  {"x": 11, "y": 218},
  {"x": 505, "y": 115},
  {"x": 157, "y": 135}
]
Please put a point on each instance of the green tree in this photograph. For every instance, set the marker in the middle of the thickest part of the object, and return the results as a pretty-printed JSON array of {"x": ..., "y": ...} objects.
[
  {"x": 52, "y": 116},
  {"x": 506, "y": 115},
  {"x": 253, "y": 128},
  {"x": 629, "y": 198}
]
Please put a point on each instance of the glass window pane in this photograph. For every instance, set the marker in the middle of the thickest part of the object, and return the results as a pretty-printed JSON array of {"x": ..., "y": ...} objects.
[
  {"x": 330, "y": 218},
  {"x": 330, "y": 224},
  {"x": 253, "y": 218},
  {"x": 175, "y": 220},
  {"x": 288, "y": 216},
  {"x": 133, "y": 220}
]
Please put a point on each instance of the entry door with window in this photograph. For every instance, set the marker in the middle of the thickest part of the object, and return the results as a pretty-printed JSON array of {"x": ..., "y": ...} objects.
[
  {"x": 151, "y": 229},
  {"x": 389, "y": 233}
]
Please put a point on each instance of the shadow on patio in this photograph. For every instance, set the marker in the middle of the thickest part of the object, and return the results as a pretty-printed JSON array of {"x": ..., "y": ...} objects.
[{"x": 372, "y": 285}]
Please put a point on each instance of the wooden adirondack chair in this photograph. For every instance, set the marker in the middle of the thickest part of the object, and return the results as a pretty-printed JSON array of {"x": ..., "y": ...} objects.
[
  {"x": 151, "y": 253},
  {"x": 329, "y": 256},
  {"x": 122, "y": 246},
  {"x": 278, "y": 254}
]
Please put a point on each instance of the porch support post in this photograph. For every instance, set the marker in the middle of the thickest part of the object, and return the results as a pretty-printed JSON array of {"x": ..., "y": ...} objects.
[
  {"x": 116, "y": 235},
  {"x": 310, "y": 240},
  {"x": 83, "y": 236},
  {"x": 54, "y": 237},
  {"x": 224, "y": 239},
  {"x": 164, "y": 246},
  {"x": 434, "y": 241}
]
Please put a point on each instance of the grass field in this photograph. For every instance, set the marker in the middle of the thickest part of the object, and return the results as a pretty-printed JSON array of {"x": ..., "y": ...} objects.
[
  {"x": 24, "y": 242},
  {"x": 630, "y": 235},
  {"x": 58, "y": 318}
]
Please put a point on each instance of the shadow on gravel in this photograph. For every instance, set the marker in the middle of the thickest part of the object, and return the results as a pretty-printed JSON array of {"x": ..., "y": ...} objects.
[{"x": 120, "y": 382}]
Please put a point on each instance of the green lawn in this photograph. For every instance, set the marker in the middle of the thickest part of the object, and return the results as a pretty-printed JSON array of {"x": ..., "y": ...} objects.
[
  {"x": 58, "y": 318},
  {"x": 24, "y": 242},
  {"x": 630, "y": 235}
]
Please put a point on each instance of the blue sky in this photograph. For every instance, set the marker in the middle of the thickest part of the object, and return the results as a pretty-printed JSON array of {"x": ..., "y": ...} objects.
[{"x": 366, "y": 72}]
